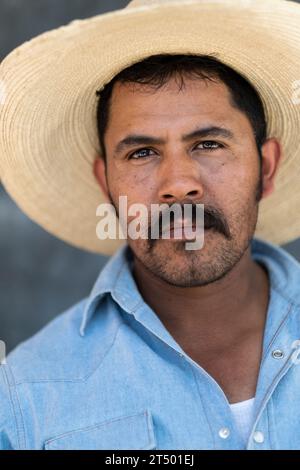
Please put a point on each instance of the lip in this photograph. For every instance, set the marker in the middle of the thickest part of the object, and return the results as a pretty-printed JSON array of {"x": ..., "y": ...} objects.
[{"x": 176, "y": 234}]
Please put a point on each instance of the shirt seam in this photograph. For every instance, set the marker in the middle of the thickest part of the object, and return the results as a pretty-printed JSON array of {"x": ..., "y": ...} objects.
[
  {"x": 284, "y": 369},
  {"x": 86, "y": 319},
  {"x": 276, "y": 334},
  {"x": 202, "y": 404},
  {"x": 97, "y": 426},
  {"x": 84, "y": 379},
  {"x": 269, "y": 424},
  {"x": 79, "y": 380},
  {"x": 113, "y": 292},
  {"x": 11, "y": 387},
  {"x": 279, "y": 291}
]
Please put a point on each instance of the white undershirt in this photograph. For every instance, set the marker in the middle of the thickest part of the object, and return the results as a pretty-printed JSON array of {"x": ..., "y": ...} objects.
[{"x": 243, "y": 415}]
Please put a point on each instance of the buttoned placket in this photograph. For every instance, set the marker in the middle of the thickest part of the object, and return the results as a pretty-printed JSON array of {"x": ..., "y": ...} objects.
[
  {"x": 221, "y": 426},
  {"x": 220, "y": 423}
]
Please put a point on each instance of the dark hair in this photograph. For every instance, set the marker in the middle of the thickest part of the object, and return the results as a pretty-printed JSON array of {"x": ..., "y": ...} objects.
[{"x": 157, "y": 70}]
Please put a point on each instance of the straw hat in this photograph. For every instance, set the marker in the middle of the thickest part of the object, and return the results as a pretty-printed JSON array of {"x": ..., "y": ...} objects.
[{"x": 48, "y": 130}]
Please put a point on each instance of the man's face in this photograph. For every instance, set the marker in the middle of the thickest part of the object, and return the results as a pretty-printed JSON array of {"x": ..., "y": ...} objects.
[{"x": 218, "y": 170}]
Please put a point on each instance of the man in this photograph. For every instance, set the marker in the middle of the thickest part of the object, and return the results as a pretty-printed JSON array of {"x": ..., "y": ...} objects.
[{"x": 173, "y": 349}]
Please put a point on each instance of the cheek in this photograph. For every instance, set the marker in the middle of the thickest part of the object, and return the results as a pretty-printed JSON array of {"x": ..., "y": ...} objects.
[
  {"x": 239, "y": 178},
  {"x": 137, "y": 190},
  {"x": 136, "y": 184},
  {"x": 232, "y": 189}
]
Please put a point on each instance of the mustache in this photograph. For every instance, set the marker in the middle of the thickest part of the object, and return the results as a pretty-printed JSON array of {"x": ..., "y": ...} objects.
[{"x": 212, "y": 219}]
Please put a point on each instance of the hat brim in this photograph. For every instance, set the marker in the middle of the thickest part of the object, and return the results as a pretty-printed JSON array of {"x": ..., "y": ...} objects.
[{"x": 48, "y": 128}]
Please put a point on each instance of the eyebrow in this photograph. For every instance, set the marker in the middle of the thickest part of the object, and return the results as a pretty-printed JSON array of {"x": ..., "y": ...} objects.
[{"x": 135, "y": 139}]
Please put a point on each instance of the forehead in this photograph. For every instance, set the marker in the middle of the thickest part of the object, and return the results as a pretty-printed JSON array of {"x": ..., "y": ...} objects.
[
  {"x": 137, "y": 103},
  {"x": 192, "y": 92},
  {"x": 172, "y": 108}
]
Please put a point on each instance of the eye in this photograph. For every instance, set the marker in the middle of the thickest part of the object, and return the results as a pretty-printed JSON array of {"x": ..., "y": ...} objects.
[
  {"x": 210, "y": 145},
  {"x": 140, "y": 154}
]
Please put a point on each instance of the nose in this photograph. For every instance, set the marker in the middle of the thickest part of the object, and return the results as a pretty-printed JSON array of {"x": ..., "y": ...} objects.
[{"x": 180, "y": 182}]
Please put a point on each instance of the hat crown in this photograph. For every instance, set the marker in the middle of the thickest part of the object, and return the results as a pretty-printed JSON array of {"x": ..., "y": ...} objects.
[
  {"x": 143, "y": 3},
  {"x": 140, "y": 3}
]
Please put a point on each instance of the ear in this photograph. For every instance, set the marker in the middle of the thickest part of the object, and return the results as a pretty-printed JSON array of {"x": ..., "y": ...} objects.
[
  {"x": 272, "y": 156},
  {"x": 100, "y": 174}
]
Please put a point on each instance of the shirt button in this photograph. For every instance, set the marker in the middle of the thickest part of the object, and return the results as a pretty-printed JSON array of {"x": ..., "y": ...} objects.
[
  {"x": 258, "y": 437},
  {"x": 278, "y": 354},
  {"x": 224, "y": 433}
]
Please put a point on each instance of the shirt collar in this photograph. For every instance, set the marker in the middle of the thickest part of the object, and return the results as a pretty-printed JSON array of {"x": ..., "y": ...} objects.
[{"x": 117, "y": 280}]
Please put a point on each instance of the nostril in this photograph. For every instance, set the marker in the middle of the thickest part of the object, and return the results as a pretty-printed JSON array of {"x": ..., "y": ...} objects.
[{"x": 192, "y": 193}]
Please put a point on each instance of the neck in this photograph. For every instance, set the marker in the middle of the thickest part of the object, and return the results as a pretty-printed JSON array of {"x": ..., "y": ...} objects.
[{"x": 221, "y": 309}]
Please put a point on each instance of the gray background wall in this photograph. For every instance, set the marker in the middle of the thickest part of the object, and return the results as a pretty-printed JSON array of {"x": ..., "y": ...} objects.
[{"x": 41, "y": 276}]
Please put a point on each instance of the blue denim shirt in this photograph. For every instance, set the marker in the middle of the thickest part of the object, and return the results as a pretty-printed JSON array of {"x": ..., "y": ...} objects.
[{"x": 107, "y": 374}]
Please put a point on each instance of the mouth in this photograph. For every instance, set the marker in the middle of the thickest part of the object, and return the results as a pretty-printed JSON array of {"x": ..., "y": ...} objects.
[{"x": 183, "y": 233}]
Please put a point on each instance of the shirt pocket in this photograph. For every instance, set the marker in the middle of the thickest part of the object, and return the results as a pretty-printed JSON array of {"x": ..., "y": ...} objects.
[{"x": 131, "y": 432}]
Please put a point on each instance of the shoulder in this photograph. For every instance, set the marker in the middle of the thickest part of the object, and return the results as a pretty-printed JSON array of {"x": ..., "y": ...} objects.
[
  {"x": 8, "y": 426},
  {"x": 40, "y": 373},
  {"x": 283, "y": 269},
  {"x": 59, "y": 352},
  {"x": 287, "y": 278}
]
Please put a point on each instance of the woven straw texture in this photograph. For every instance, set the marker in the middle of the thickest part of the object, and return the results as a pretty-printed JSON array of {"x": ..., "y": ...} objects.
[{"x": 48, "y": 131}]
